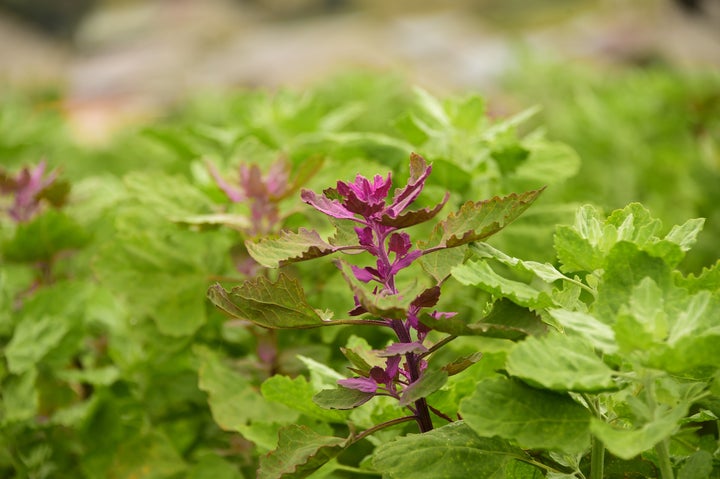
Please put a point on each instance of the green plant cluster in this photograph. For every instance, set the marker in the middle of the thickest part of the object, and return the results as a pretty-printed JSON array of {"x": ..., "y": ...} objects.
[{"x": 590, "y": 333}]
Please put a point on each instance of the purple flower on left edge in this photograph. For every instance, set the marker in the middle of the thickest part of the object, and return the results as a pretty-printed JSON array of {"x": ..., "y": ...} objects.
[{"x": 27, "y": 188}]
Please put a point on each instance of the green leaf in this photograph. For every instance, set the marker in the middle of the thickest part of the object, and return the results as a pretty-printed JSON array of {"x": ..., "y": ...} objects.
[
  {"x": 628, "y": 443},
  {"x": 531, "y": 418},
  {"x": 461, "y": 364},
  {"x": 278, "y": 305},
  {"x": 288, "y": 248},
  {"x": 506, "y": 321},
  {"x": 449, "y": 452},
  {"x": 297, "y": 394},
  {"x": 300, "y": 452},
  {"x": 574, "y": 252},
  {"x": 480, "y": 274},
  {"x": 44, "y": 237},
  {"x": 548, "y": 163},
  {"x": 439, "y": 263},
  {"x": 597, "y": 333},
  {"x": 341, "y": 398},
  {"x": 686, "y": 234},
  {"x": 151, "y": 456},
  {"x": 708, "y": 279},
  {"x": 560, "y": 363},
  {"x": 480, "y": 220},
  {"x": 213, "y": 466},
  {"x": 544, "y": 271},
  {"x": 428, "y": 383},
  {"x": 20, "y": 399},
  {"x": 698, "y": 465},
  {"x": 32, "y": 340},
  {"x": 233, "y": 401}
]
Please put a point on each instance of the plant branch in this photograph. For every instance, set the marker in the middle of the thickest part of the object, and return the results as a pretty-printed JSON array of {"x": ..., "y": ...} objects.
[
  {"x": 379, "y": 427},
  {"x": 437, "y": 346}
]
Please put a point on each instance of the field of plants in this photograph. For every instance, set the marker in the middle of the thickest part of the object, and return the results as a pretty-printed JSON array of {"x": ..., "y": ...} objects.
[{"x": 368, "y": 279}]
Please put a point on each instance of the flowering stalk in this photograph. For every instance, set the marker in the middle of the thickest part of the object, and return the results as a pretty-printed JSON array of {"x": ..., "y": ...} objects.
[
  {"x": 28, "y": 189},
  {"x": 365, "y": 202}
]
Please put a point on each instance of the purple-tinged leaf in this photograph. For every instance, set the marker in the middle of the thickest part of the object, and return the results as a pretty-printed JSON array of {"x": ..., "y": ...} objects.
[
  {"x": 480, "y": 220},
  {"x": 397, "y": 349},
  {"x": 399, "y": 243},
  {"x": 419, "y": 172},
  {"x": 363, "y": 274},
  {"x": 427, "y": 298},
  {"x": 342, "y": 398},
  {"x": 428, "y": 383},
  {"x": 300, "y": 452},
  {"x": 412, "y": 218},
  {"x": 236, "y": 195},
  {"x": 278, "y": 305},
  {"x": 289, "y": 247},
  {"x": 366, "y": 385},
  {"x": 325, "y": 205},
  {"x": 382, "y": 306}
]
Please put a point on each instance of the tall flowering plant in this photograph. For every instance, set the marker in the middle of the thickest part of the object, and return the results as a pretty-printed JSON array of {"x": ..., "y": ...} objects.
[{"x": 379, "y": 218}]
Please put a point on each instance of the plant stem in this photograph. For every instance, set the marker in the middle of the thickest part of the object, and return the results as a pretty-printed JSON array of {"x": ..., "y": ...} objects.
[
  {"x": 380, "y": 426},
  {"x": 662, "y": 449},
  {"x": 597, "y": 459}
]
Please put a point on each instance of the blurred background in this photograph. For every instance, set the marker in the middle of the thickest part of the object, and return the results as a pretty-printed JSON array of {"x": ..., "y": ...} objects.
[{"x": 122, "y": 60}]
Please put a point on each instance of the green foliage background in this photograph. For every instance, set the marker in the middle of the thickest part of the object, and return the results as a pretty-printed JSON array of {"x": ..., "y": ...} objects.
[{"x": 114, "y": 364}]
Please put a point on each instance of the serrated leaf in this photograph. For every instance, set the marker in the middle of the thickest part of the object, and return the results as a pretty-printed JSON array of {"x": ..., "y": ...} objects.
[
  {"x": 627, "y": 443},
  {"x": 574, "y": 252},
  {"x": 686, "y": 234},
  {"x": 277, "y": 305},
  {"x": 449, "y": 452},
  {"x": 383, "y": 306},
  {"x": 439, "y": 263},
  {"x": 300, "y": 452},
  {"x": 698, "y": 465},
  {"x": 341, "y": 398},
  {"x": 532, "y": 418},
  {"x": 288, "y": 248},
  {"x": 708, "y": 279},
  {"x": 412, "y": 218},
  {"x": 476, "y": 221},
  {"x": 428, "y": 383},
  {"x": 32, "y": 340},
  {"x": 480, "y": 274},
  {"x": 559, "y": 363}
]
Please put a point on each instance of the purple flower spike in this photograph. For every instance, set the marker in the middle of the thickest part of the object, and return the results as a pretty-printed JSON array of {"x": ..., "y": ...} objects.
[{"x": 27, "y": 188}]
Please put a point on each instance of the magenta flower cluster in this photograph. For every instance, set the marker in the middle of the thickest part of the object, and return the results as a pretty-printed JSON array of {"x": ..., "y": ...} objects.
[
  {"x": 379, "y": 219},
  {"x": 27, "y": 190}
]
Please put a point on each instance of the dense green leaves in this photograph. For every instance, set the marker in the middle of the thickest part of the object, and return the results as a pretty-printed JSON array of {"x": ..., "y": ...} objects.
[{"x": 530, "y": 418}]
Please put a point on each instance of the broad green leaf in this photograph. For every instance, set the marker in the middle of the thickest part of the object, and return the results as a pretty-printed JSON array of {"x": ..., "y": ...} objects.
[
  {"x": 233, "y": 401},
  {"x": 628, "y": 443},
  {"x": 297, "y": 394},
  {"x": 320, "y": 374},
  {"x": 449, "y": 452},
  {"x": 480, "y": 274},
  {"x": 20, "y": 398},
  {"x": 150, "y": 456},
  {"x": 548, "y": 163},
  {"x": 506, "y": 320},
  {"x": 300, "y": 452},
  {"x": 288, "y": 248},
  {"x": 574, "y": 252},
  {"x": 597, "y": 333},
  {"x": 698, "y": 465},
  {"x": 544, "y": 271},
  {"x": 480, "y": 220},
  {"x": 44, "y": 237},
  {"x": 461, "y": 364},
  {"x": 439, "y": 263},
  {"x": 212, "y": 466},
  {"x": 341, "y": 398},
  {"x": 428, "y": 383},
  {"x": 32, "y": 340},
  {"x": 560, "y": 363},
  {"x": 531, "y": 418},
  {"x": 277, "y": 305}
]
